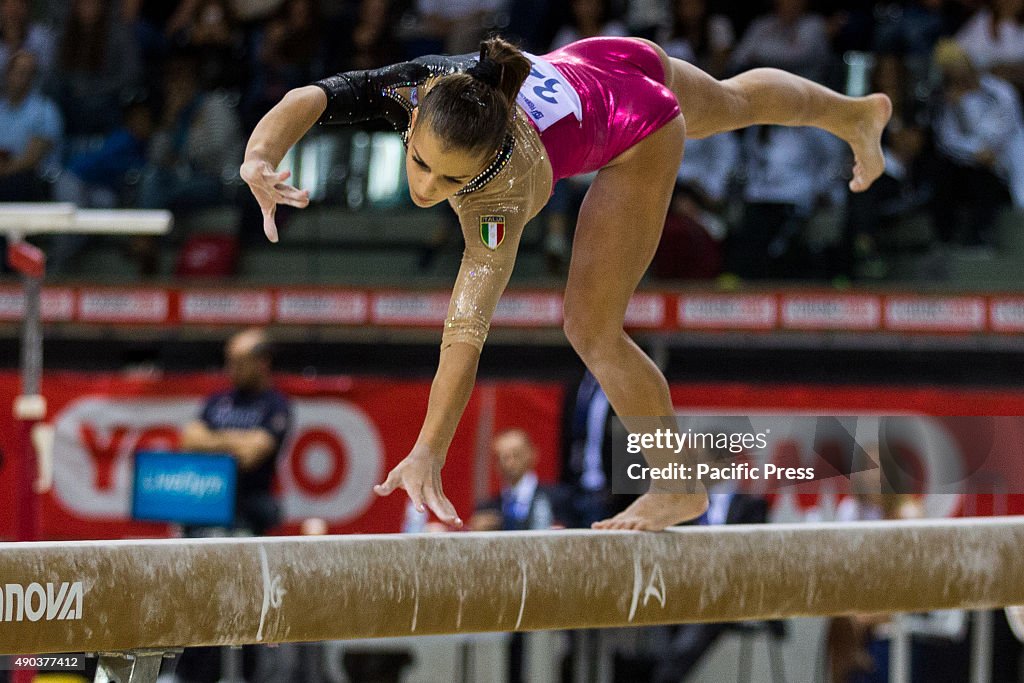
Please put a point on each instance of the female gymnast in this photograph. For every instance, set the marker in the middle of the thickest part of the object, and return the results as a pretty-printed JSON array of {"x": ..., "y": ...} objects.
[{"x": 491, "y": 134}]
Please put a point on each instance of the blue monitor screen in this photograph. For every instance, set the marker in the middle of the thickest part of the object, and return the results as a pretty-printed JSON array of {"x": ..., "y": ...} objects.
[{"x": 184, "y": 488}]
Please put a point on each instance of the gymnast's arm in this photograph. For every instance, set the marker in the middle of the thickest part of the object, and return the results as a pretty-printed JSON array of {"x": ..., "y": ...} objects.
[{"x": 482, "y": 278}]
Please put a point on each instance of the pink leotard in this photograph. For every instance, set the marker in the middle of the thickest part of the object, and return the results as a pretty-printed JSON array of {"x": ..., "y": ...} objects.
[{"x": 621, "y": 85}]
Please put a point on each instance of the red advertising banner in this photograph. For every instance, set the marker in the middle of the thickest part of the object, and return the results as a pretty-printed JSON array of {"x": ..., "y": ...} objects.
[
  {"x": 348, "y": 432},
  {"x": 664, "y": 311}
]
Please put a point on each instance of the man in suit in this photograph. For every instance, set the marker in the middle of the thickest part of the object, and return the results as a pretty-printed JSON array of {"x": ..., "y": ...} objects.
[{"x": 524, "y": 503}]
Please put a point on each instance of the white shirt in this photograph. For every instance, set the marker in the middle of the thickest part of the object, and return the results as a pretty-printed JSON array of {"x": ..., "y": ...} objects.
[
  {"x": 720, "y": 37},
  {"x": 801, "y": 48},
  {"x": 1007, "y": 47},
  {"x": 709, "y": 163},
  {"x": 988, "y": 118},
  {"x": 792, "y": 166}
]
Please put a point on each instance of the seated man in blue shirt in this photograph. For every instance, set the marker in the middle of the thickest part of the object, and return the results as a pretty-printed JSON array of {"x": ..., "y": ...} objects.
[
  {"x": 249, "y": 421},
  {"x": 30, "y": 131}
]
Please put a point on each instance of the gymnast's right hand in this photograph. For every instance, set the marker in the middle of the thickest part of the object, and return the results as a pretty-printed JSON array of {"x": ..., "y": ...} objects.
[
  {"x": 268, "y": 186},
  {"x": 420, "y": 475}
]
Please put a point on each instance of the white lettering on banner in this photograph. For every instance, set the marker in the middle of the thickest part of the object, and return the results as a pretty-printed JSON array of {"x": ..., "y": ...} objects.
[
  {"x": 94, "y": 439},
  {"x": 1007, "y": 314},
  {"x": 546, "y": 96},
  {"x": 322, "y": 307},
  {"x": 727, "y": 311},
  {"x": 941, "y": 314},
  {"x": 55, "y": 304},
  {"x": 646, "y": 310},
  {"x": 36, "y": 603},
  {"x": 329, "y": 463},
  {"x": 531, "y": 310},
  {"x": 226, "y": 307},
  {"x": 831, "y": 312},
  {"x": 410, "y": 309},
  {"x": 123, "y": 306}
]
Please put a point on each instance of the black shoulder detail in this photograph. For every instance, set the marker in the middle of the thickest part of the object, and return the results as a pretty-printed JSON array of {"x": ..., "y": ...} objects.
[{"x": 358, "y": 96}]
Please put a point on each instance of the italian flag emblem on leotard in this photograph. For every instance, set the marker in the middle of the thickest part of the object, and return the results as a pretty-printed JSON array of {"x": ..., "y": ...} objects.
[{"x": 492, "y": 231}]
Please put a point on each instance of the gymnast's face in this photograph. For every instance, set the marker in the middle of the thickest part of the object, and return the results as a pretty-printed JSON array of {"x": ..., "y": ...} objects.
[{"x": 435, "y": 171}]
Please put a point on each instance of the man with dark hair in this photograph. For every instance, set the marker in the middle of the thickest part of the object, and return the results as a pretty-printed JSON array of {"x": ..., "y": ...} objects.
[{"x": 249, "y": 421}]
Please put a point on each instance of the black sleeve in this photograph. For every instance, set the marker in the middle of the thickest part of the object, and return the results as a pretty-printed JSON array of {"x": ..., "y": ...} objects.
[{"x": 358, "y": 96}]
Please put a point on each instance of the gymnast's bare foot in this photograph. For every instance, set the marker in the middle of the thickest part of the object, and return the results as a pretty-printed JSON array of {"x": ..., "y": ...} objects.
[
  {"x": 864, "y": 135},
  {"x": 655, "y": 511}
]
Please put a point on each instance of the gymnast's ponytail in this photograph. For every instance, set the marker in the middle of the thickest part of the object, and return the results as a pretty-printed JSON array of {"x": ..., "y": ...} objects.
[
  {"x": 511, "y": 65},
  {"x": 472, "y": 111}
]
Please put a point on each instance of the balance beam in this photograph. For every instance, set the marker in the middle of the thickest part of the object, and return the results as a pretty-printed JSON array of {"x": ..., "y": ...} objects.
[{"x": 130, "y": 595}]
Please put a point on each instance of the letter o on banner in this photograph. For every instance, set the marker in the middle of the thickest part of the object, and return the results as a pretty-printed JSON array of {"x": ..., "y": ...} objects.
[
  {"x": 332, "y": 458},
  {"x": 313, "y": 441}
]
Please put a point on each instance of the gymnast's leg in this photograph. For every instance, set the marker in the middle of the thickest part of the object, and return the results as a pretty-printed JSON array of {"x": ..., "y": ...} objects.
[
  {"x": 774, "y": 97},
  {"x": 619, "y": 228}
]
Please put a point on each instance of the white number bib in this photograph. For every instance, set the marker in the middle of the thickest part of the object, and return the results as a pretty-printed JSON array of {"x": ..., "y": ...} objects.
[{"x": 546, "y": 96}]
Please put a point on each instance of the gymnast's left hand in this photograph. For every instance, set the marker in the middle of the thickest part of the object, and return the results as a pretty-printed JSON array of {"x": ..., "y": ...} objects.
[{"x": 420, "y": 475}]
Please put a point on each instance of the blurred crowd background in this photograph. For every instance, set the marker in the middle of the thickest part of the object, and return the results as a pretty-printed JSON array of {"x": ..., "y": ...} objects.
[{"x": 136, "y": 103}]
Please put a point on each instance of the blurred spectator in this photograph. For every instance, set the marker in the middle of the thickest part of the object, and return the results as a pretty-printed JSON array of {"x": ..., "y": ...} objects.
[
  {"x": 646, "y": 18},
  {"x": 851, "y": 23},
  {"x": 148, "y": 21},
  {"x": 691, "y": 243},
  {"x": 589, "y": 18},
  {"x": 286, "y": 53},
  {"x": 373, "y": 43},
  {"x": 696, "y": 36},
  {"x": 30, "y": 132},
  {"x": 791, "y": 38},
  {"x": 994, "y": 40},
  {"x": 709, "y": 165},
  {"x": 910, "y": 29},
  {"x": 524, "y": 503},
  {"x": 453, "y": 26},
  {"x": 97, "y": 59},
  {"x": 789, "y": 173},
  {"x": 208, "y": 29},
  {"x": 979, "y": 133},
  {"x": 99, "y": 178},
  {"x": 689, "y": 642},
  {"x": 196, "y": 145},
  {"x": 249, "y": 421},
  {"x": 906, "y": 187},
  {"x": 18, "y": 32},
  {"x": 531, "y": 24}
]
